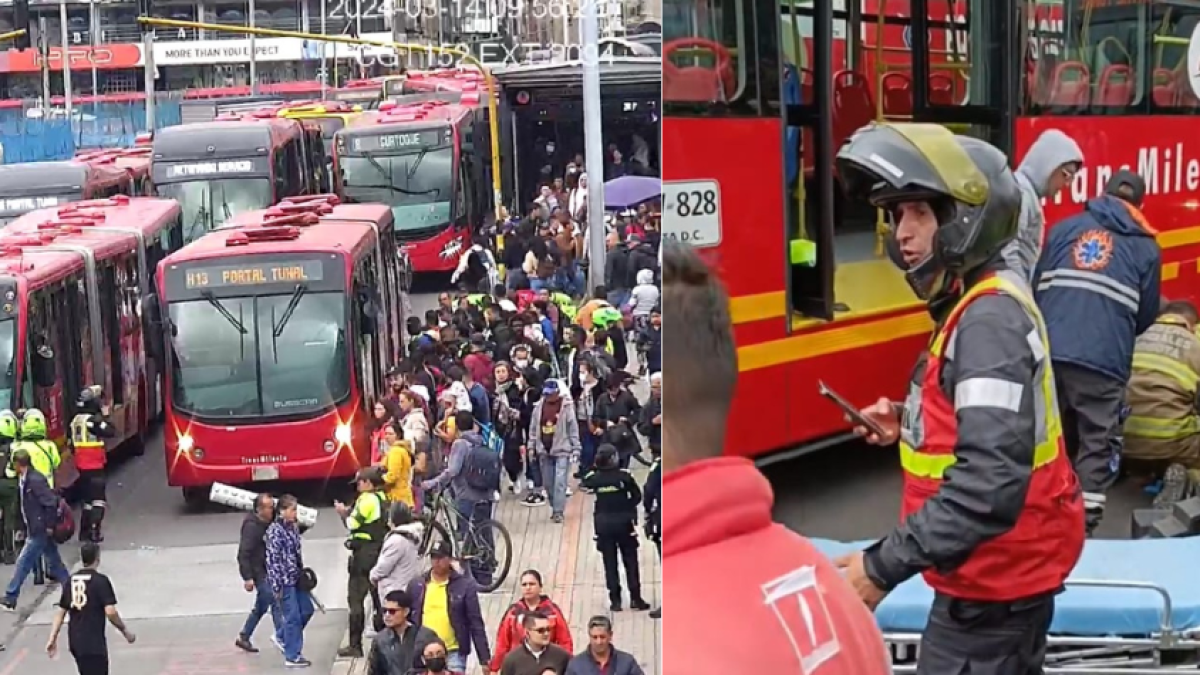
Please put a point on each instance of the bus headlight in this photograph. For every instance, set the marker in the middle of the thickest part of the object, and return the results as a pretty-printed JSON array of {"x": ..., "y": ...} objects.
[
  {"x": 185, "y": 443},
  {"x": 342, "y": 434},
  {"x": 330, "y": 446}
]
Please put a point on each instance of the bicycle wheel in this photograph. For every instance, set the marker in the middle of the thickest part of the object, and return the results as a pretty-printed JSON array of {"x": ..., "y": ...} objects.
[
  {"x": 489, "y": 546},
  {"x": 434, "y": 532}
]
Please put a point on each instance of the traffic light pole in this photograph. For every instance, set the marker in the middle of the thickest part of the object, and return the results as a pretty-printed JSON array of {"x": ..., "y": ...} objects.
[{"x": 402, "y": 48}]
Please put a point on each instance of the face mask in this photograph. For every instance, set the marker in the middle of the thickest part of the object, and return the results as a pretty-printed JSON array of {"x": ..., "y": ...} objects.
[
  {"x": 436, "y": 664},
  {"x": 521, "y": 363}
]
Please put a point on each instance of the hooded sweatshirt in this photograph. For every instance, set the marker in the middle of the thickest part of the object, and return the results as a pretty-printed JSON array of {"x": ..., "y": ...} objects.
[
  {"x": 645, "y": 295},
  {"x": 1047, "y": 154},
  {"x": 1101, "y": 270}
]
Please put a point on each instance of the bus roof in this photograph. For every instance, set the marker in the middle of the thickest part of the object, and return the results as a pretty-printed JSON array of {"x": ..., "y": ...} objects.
[
  {"x": 311, "y": 224},
  {"x": 238, "y": 136},
  {"x": 134, "y": 160},
  {"x": 41, "y": 267},
  {"x": 424, "y": 114},
  {"x": 92, "y": 224},
  {"x": 40, "y": 177}
]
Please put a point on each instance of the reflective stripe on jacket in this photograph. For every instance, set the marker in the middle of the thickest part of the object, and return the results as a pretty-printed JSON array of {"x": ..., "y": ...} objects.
[
  {"x": 90, "y": 453},
  {"x": 367, "y": 521},
  {"x": 1161, "y": 393},
  {"x": 1038, "y": 553}
]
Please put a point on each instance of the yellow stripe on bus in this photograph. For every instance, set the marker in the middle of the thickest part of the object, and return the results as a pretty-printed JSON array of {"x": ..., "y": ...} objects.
[
  {"x": 812, "y": 344},
  {"x": 758, "y": 307}
]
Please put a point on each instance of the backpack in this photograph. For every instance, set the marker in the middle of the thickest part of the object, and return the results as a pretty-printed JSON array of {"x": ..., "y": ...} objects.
[
  {"x": 64, "y": 522},
  {"x": 481, "y": 468},
  {"x": 493, "y": 440}
]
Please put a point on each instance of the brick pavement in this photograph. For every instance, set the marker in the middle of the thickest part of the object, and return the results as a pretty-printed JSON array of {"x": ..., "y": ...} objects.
[{"x": 574, "y": 576}]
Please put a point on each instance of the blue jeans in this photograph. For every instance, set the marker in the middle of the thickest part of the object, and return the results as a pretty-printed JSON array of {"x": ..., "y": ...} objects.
[
  {"x": 590, "y": 442},
  {"x": 618, "y": 298},
  {"x": 297, "y": 608},
  {"x": 36, "y": 547},
  {"x": 536, "y": 284},
  {"x": 456, "y": 662},
  {"x": 475, "y": 513},
  {"x": 554, "y": 476},
  {"x": 533, "y": 471},
  {"x": 264, "y": 601}
]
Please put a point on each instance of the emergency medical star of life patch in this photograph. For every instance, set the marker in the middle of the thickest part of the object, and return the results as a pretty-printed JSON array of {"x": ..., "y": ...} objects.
[{"x": 1093, "y": 250}]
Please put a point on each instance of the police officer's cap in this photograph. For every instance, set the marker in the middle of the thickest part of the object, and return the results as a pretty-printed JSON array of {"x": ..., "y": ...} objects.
[{"x": 370, "y": 473}]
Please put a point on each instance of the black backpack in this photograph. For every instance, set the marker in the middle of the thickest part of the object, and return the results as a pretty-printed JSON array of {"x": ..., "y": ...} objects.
[{"x": 481, "y": 468}]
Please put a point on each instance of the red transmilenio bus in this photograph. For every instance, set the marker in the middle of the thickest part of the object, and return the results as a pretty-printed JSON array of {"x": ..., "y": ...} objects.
[
  {"x": 812, "y": 295},
  {"x": 75, "y": 280},
  {"x": 135, "y": 161},
  {"x": 38, "y": 185},
  {"x": 429, "y": 162},
  {"x": 280, "y": 336},
  {"x": 218, "y": 169}
]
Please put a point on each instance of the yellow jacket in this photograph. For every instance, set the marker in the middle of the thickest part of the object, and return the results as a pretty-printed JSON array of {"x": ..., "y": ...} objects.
[{"x": 399, "y": 476}]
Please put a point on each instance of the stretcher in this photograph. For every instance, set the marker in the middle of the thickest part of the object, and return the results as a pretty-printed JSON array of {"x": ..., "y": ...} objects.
[{"x": 1130, "y": 608}]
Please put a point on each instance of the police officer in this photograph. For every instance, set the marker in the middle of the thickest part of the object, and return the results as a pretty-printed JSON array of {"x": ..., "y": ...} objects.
[
  {"x": 992, "y": 511},
  {"x": 88, "y": 429},
  {"x": 9, "y": 495},
  {"x": 32, "y": 439},
  {"x": 615, "y": 519},
  {"x": 368, "y": 527}
]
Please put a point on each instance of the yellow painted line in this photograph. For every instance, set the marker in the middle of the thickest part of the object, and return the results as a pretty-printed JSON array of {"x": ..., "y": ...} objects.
[
  {"x": 1177, "y": 238},
  {"x": 820, "y": 343},
  {"x": 1171, "y": 270},
  {"x": 758, "y": 307}
]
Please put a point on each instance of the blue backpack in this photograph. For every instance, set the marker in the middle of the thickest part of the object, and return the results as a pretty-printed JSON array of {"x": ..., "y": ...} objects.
[{"x": 481, "y": 467}]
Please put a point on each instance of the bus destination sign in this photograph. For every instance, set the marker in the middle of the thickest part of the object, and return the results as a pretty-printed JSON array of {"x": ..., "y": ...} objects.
[
  {"x": 394, "y": 142},
  {"x": 23, "y": 204},
  {"x": 183, "y": 170},
  {"x": 250, "y": 274}
]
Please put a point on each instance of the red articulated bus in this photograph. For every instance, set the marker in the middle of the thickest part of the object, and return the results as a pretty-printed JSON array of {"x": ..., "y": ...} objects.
[
  {"x": 428, "y": 161},
  {"x": 75, "y": 282},
  {"x": 38, "y": 185},
  {"x": 218, "y": 169},
  {"x": 813, "y": 295},
  {"x": 135, "y": 161},
  {"x": 282, "y": 326}
]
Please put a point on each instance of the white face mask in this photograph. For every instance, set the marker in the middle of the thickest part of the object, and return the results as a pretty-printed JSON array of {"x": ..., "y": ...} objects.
[{"x": 521, "y": 363}]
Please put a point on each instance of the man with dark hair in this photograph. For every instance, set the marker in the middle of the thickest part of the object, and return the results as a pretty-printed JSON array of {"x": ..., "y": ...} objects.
[
  {"x": 39, "y": 509},
  {"x": 537, "y": 654},
  {"x": 706, "y": 535},
  {"x": 601, "y": 657},
  {"x": 1097, "y": 285},
  {"x": 397, "y": 650},
  {"x": 91, "y": 602},
  {"x": 252, "y": 565},
  {"x": 1163, "y": 430},
  {"x": 447, "y": 602}
]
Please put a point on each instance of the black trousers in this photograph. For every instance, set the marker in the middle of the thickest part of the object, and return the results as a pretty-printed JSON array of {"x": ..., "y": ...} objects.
[
  {"x": 615, "y": 550},
  {"x": 357, "y": 590},
  {"x": 512, "y": 460},
  {"x": 91, "y": 664},
  {"x": 986, "y": 638}
]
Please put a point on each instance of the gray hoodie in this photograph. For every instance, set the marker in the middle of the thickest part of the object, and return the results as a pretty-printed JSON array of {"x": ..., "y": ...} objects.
[
  {"x": 1047, "y": 154},
  {"x": 566, "y": 432},
  {"x": 453, "y": 474},
  {"x": 399, "y": 561}
]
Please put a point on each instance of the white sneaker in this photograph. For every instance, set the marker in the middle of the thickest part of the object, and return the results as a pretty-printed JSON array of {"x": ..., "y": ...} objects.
[
  {"x": 518, "y": 486},
  {"x": 275, "y": 641},
  {"x": 570, "y": 492}
]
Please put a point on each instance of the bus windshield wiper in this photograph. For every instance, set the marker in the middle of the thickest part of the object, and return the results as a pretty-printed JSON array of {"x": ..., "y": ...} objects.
[
  {"x": 224, "y": 204},
  {"x": 301, "y": 289},
  {"x": 216, "y": 304},
  {"x": 386, "y": 173},
  {"x": 412, "y": 169}
]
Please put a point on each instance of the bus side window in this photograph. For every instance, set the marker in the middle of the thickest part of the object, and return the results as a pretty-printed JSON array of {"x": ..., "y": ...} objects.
[
  {"x": 41, "y": 317},
  {"x": 281, "y": 174},
  {"x": 296, "y": 162},
  {"x": 110, "y": 278},
  {"x": 72, "y": 333}
]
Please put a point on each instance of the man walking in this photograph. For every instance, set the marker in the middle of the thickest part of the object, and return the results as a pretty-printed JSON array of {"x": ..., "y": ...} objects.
[
  {"x": 252, "y": 565},
  {"x": 553, "y": 439},
  {"x": 447, "y": 602},
  {"x": 91, "y": 602},
  {"x": 10, "y": 499},
  {"x": 537, "y": 654},
  {"x": 1098, "y": 287},
  {"x": 39, "y": 508},
  {"x": 601, "y": 657}
]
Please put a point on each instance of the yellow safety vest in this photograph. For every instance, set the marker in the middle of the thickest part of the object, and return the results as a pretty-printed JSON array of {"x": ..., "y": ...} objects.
[
  {"x": 366, "y": 520},
  {"x": 43, "y": 455}
]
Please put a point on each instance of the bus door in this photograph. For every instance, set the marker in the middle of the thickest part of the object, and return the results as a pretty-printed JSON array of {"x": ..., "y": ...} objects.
[
  {"x": 316, "y": 160},
  {"x": 84, "y": 304},
  {"x": 385, "y": 257},
  {"x": 133, "y": 284},
  {"x": 288, "y": 169}
]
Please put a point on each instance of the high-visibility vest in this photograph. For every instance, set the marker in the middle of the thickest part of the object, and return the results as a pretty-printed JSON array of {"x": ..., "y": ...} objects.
[
  {"x": 43, "y": 455},
  {"x": 368, "y": 527},
  {"x": 90, "y": 453},
  {"x": 1037, "y": 554}
]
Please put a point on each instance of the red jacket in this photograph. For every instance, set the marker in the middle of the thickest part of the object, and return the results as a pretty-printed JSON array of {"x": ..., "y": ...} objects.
[
  {"x": 512, "y": 634},
  {"x": 783, "y": 607}
]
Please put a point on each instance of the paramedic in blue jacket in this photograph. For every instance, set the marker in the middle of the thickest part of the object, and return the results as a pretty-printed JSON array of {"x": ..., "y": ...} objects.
[{"x": 1098, "y": 287}]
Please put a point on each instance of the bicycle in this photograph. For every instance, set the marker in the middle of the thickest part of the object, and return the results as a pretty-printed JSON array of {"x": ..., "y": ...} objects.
[{"x": 477, "y": 549}]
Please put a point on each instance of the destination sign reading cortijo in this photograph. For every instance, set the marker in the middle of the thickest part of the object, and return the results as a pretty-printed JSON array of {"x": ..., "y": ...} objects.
[
  {"x": 250, "y": 274},
  {"x": 397, "y": 141}
]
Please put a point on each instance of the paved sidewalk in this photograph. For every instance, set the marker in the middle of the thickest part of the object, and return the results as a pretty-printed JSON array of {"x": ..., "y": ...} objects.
[{"x": 574, "y": 578}]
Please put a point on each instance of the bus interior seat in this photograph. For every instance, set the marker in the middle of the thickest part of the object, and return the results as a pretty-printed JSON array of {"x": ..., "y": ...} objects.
[
  {"x": 853, "y": 108},
  {"x": 941, "y": 89},
  {"x": 1164, "y": 87},
  {"x": 698, "y": 83},
  {"x": 1116, "y": 86},
  {"x": 897, "y": 94},
  {"x": 1185, "y": 96},
  {"x": 1070, "y": 84}
]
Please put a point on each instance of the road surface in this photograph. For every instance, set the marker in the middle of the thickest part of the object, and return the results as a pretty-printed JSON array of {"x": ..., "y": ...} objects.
[
  {"x": 852, "y": 492},
  {"x": 176, "y": 580}
]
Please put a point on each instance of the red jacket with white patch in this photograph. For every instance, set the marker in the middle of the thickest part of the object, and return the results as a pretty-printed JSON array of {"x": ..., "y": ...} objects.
[{"x": 743, "y": 594}]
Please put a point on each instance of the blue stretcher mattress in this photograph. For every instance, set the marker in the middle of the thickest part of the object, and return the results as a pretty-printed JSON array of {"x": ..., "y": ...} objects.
[{"x": 1082, "y": 611}]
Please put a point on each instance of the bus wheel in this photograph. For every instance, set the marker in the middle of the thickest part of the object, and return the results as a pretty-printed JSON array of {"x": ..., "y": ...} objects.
[{"x": 196, "y": 498}]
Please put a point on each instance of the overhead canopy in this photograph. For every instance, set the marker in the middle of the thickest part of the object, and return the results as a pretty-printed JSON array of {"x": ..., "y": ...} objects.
[{"x": 614, "y": 71}]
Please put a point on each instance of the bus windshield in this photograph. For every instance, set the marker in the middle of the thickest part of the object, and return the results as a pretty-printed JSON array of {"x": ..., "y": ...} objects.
[
  {"x": 260, "y": 356},
  {"x": 207, "y": 204},
  {"x": 417, "y": 185}
]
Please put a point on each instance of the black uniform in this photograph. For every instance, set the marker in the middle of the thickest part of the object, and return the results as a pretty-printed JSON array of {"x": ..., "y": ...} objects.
[
  {"x": 85, "y": 597},
  {"x": 615, "y": 517},
  {"x": 652, "y": 503},
  {"x": 10, "y": 508},
  {"x": 93, "y": 483}
]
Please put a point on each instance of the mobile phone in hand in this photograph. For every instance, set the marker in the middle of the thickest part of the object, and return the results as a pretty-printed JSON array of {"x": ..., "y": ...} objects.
[{"x": 852, "y": 412}]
